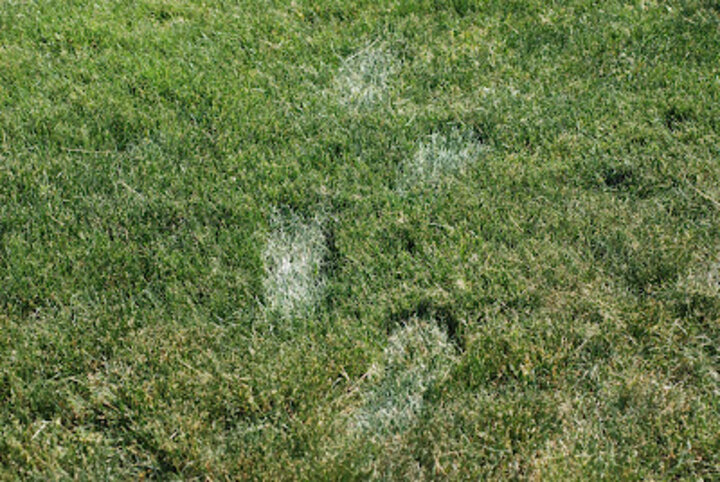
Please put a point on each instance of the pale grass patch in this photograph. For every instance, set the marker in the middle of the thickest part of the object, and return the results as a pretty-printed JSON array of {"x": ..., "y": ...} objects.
[
  {"x": 704, "y": 277},
  {"x": 711, "y": 279},
  {"x": 378, "y": 414},
  {"x": 416, "y": 357},
  {"x": 583, "y": 441},
  {"x": 293, "y": 259},
  {"x": 437, "y": 157},
  {"x": 364, "y": 78}
]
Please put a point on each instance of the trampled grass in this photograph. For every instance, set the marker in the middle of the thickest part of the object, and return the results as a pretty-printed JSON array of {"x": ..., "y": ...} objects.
[
  {"x": 364, "y": 77},
  {"x": 293, "y": 258},
  {"x": 437, "y": 158},
  {"x": 433, "y": 239},
  {"x": 416, "y": 357}
]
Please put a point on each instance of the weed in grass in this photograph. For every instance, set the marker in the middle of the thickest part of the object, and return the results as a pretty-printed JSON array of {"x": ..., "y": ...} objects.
[{"x": 293, "y": 259}]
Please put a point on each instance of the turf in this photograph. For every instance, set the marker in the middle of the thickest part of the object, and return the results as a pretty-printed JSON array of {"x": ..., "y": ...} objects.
[{"x": 336, "y": 240}]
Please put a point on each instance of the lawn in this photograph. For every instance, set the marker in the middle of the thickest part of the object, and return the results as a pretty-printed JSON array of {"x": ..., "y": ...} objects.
[{"x": 397, "y": 239}]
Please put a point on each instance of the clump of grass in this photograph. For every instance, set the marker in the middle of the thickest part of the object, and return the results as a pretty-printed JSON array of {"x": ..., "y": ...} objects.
[
  {"x": 293, "y": 259},
  {"x": 437, "y": 157},
  {"x": 364, "y": 78},
  {"x": 416, "y": 357}
]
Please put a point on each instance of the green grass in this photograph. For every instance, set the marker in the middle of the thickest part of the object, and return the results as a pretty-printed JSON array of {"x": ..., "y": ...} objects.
[{"x": 499, "y": 221}]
